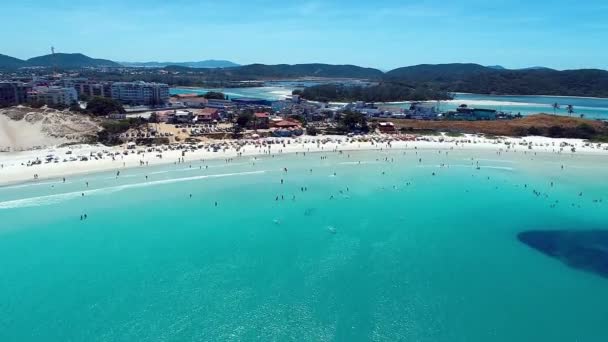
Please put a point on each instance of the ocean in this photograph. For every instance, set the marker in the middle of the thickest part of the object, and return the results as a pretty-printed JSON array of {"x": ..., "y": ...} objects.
[
  {"x": 591, "y": 108},
  {"x": 359, "y": 246}
]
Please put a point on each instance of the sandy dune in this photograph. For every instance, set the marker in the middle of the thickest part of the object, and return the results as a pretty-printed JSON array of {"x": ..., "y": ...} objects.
[{"x": 26, "y": 128}]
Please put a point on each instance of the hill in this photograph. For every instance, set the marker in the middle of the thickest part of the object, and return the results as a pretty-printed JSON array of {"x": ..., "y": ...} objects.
[
  {"x": 263, "y": 71},
  {"x": 474, "y": 78},
  {"x": 9, "y": 62},
  {"x": 437, "y": 72},
  {"x": 70, "y": 60},
  {"x": 206, "y": 64}
]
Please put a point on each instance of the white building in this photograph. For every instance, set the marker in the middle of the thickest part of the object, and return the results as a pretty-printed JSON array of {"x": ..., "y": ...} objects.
[
  {"x": 54, "y": 95},
  {"x": 422, "y": 111},
  {"x": 141, "y": 93}
]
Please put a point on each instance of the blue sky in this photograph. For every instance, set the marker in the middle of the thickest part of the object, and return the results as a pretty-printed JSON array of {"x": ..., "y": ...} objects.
[{"x": 562, "y": 34}]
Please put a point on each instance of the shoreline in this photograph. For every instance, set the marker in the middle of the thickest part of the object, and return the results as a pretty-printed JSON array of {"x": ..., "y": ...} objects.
[
  {"x": 14, "y": 170},
  {"x": 557, "y": 96}
]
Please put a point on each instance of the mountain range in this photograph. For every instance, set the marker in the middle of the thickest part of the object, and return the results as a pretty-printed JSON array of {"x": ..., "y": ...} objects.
[
  {"x": 455, "y": 77},
  {"x": 60, "y": 60},
  {"x": 210, "y": 63},
  {"x": 78, "y": 60}
]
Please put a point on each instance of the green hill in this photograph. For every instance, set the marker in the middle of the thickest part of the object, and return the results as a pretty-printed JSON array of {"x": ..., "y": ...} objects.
[
  {"x": 438, "y": 72},
  {"x": 70, "y": 60},
  {"x": 305, "y": 70},
  {"x": 8, "y": 62},
  {"x": 207, "y": 64},
  {"x": 473, "y": 78}
]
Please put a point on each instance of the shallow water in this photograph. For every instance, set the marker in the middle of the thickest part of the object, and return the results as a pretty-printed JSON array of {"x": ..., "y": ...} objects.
[{"x": 397, "y": 254}]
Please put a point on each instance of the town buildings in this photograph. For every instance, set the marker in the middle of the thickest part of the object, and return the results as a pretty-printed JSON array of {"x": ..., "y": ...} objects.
[
  {"x": 13, "y": 93},
  {"x": 464, "y": 112},
  {"x": 88, "y": 88},
  {"x": 140, "y": 93},
  {"x": 53, "y": 95},
  {"x": 422, "y": 111}
]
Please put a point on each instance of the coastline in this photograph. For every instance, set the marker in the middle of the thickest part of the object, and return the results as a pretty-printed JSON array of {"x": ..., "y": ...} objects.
[
  {"x": 543, "y": 95},
  {"x": 14, "y": 170}
]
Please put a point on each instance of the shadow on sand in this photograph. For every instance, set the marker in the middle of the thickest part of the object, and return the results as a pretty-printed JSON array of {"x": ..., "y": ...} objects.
[{"x": 585, "y": 250}]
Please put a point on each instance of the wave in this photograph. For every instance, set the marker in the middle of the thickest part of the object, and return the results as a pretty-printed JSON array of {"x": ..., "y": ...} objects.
[
  {"x": 58, "y": 198},
  {"x": 25, "y": 185}
]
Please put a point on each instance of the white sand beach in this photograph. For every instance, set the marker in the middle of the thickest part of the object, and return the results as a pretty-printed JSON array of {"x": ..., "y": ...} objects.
[{"x": 49, "y": 163}]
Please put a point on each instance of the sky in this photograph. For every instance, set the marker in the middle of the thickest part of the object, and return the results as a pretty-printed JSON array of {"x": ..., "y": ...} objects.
[{"x": 384, "y": 34}]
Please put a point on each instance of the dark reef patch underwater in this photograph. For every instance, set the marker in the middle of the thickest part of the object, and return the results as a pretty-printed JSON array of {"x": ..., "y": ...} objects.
[{"x": 586, "y": 250}]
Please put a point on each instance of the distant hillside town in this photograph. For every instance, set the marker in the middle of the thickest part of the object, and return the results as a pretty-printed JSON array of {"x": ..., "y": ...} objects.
[{"x": 137, "y": 105}]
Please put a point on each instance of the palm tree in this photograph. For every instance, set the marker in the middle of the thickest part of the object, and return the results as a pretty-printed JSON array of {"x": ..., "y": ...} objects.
[
  {"x": 570, "y": 109},
  {"x": 555, "y": 108}
]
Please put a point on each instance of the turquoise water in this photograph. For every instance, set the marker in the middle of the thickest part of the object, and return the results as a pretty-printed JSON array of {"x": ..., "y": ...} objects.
[
  {"x": 266, "y": 93},
  {"x": 435, "y": 260},
  {"x": 592, "y": 108}
]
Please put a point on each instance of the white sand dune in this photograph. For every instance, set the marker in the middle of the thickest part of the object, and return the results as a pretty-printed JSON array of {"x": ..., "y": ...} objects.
[{"x": 24, "y": 128}]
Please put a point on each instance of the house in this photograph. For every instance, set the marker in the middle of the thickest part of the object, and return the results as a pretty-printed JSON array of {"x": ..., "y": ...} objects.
[
  {"x": 163, "y": 115},
  {"x": 199, "y": 102},
  {"x": 287, "y": 128},
  {"x": 219, "y": 104},
  {"x": 386, "y": 127},
  {"x": 261, "y": 120},
  {"x": 180, "y": 116},
  {"x": 484, "y": 114},
  {"x": 422, "y": 111},
  {"x": 207, "y": 115},
  {"x": 463, "y": 112}
]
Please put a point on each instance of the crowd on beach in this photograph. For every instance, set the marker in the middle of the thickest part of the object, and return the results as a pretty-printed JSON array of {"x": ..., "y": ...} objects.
[
  {"x": 232, "y": 150},
  {"x": 60, "y": 162}
]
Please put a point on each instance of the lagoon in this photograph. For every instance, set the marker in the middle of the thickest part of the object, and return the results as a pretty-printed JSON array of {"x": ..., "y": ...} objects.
[{"x": 592, "y": 108}]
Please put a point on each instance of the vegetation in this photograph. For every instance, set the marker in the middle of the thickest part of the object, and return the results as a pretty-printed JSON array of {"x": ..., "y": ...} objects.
[
  {"x": 112, "y": 130},
  {"x": 8, "y": 62},
  {"x": 214, "y": 95},
  {"x": 244, "y": 119},
  {"x": 383, "y": 92},
  {"x": 537, "y": 125},
  {"x": 311, "y": 130},
  {"x": 353, "y": 122},
  {"x": 473, "y": 78},
  {"x": 102, "y": 106},
  {"x": 69, "y": 60}
]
